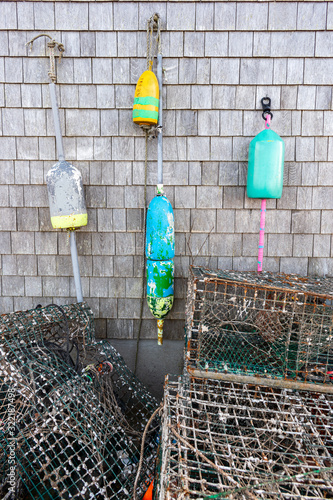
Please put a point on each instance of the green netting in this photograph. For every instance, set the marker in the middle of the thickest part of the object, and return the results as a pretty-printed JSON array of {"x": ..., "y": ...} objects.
[
  {"x": 244, "y": 442},
  {"x": 72, "y": 414},
  {"x": 260, "y": 324}
]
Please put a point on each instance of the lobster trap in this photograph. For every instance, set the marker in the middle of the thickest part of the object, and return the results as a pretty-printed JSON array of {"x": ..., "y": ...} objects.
[
  {"x": 239, "y": 441},
  {"x": 274, "y": 326},
  {"x": 72, "y": 414},
  {"x": 252, "y": 416}
]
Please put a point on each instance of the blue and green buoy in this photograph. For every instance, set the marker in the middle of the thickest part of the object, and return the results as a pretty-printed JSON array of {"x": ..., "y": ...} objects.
[{"x": 160, "y": 251}]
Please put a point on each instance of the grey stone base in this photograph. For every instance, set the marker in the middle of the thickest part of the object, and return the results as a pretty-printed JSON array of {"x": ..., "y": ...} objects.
[{"x": 154, "y": 361}]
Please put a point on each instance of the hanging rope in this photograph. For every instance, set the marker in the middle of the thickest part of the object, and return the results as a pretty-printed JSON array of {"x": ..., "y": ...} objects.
[
  {"x": 143, "y": 292},
  {"x": 149, "y": 43},
  {"x": 153, "y": 24},
  {"x": 52, "y": 44}
]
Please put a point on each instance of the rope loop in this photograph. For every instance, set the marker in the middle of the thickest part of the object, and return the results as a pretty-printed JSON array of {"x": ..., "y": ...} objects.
[
  {"x": 153, "y": 24},
  {"x": 52, "y": 44}
]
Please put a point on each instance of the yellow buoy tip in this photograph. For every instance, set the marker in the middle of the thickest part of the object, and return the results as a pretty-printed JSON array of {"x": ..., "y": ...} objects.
[
  {"x": 69, "y": 221},
  {"x": 160, "y": 323}
]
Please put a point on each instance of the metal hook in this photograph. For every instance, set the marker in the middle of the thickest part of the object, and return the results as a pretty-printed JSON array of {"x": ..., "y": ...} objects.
[{"x": 266, "y": 106}]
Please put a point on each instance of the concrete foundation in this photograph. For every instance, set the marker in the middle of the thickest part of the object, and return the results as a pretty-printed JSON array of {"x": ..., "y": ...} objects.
[{"x": 154, "y": 361}]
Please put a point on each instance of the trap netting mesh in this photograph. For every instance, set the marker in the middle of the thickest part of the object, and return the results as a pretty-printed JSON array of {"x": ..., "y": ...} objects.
[
  {"x": 269, "y": 324},
  {"x": 72, "y": 413},
  {"x": 242, "y": 442}
]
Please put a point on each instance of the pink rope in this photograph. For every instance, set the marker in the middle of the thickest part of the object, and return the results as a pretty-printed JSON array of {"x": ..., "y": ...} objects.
[
  {"x": 268, "y": 121},
  {"x": 261, "y": 235}
]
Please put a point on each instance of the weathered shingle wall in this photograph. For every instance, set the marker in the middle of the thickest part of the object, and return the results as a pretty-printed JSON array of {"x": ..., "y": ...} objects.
[{"x": 220, "y": 58}]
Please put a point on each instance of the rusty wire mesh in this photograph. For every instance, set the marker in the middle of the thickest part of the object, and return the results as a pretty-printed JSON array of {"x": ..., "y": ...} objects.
[
  {"x": 72, "y": 414},
  {"x": 272, "y": 325},
  {"x": 241, "y": 442}
]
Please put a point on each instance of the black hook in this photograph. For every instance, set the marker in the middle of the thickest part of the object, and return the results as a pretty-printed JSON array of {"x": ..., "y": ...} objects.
[{"x": 266, "y": 106}]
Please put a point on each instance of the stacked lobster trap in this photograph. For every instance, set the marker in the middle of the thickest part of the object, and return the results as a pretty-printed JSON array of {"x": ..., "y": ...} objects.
[
  {"x": 252, "y": 416},
  {"x": 72, "y": 413},
  {"x": 268, "y": 325}
]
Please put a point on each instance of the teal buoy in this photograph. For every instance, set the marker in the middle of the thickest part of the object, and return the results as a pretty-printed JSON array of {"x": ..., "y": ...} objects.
[{"x": 265, "y": 166}]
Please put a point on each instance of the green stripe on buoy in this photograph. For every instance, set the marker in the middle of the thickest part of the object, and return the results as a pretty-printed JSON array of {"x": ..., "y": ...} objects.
[
  {"x": 143, "y": 113},
  {"x": 146, "y": 101}
]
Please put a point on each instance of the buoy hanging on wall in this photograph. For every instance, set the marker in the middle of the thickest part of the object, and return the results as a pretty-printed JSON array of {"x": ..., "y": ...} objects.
[
  {"x": 146, "y": 100},
  {"x": 66, "y": 196},
  {"x": 265, "y": 170},
  {"x": 266, "y": 160},
  {"x": 64, "y": 181},
  {"x": 160, "y": 251}
]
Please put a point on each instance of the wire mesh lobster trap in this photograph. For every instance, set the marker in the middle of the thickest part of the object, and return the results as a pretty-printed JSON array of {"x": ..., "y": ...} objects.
[
  {"x": 72, "y": 414},
  {"x": 252, "y": 416},
  {"x": 239, "y": 441},
  {"x": 269, "y": 325}
]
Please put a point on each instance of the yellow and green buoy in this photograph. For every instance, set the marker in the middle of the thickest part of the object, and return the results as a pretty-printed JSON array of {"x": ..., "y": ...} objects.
[{"x": 146, "y": 99}]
